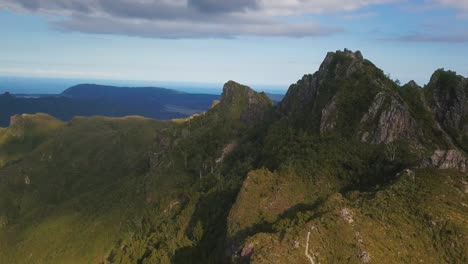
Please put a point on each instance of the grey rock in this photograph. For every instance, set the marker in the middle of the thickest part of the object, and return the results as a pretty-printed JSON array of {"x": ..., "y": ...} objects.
[
  {"x": 447, "y": 95},
  {"x": 387, "y": 120},
  {"x": 329, "y": 114},
  {"x": 447, "y": 159}
]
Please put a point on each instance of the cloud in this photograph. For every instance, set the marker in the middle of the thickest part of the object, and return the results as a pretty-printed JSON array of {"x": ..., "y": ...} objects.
[
  {"x": 457, "y": 4},
  {"x": 461, "y": 37},
  {"x": 186, "y": 29},
  {"x": 192, "y": 18},
  {"x": 358, "y": 16},
  {"x": 223, "y": 6},
  {"x": 460, "y": 6}
]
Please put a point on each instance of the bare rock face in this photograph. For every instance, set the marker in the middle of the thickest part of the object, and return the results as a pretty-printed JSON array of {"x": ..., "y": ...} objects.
[
  {"x": 301, "y": 94},
  {"x": 247, "y": 250},
  {"x": 329, "y": 114},
  {"x": 17, "y": 124},
  {"x": 447, "y": 94},
  {"x": 387, "y": 120},
  {"x": 447, "y": 159},
  {"x": 304, "y": 93}
]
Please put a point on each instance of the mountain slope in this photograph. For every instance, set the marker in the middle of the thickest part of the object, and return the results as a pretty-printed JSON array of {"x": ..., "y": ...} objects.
[{"x": 349, "y": 167}]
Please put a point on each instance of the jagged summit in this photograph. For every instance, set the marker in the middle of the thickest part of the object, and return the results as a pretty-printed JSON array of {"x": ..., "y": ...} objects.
[
  {"x": 233, "y": 91},
  {"x": 412, "y": 83},
  {"x": 336, "y": 67},
  {"x": 332, "y": 56},
  {"x": 243, "y": 103},
  {"x": 447, "y": 96},
  {"x": 349, "y": 96},
  {"x": 344, "y": 80}
]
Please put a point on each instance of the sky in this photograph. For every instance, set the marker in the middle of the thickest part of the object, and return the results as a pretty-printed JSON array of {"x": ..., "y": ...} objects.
[{"x": 255, "y": 42}]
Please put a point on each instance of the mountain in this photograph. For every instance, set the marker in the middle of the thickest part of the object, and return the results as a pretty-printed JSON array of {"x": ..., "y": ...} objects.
[
  {"x": 144, "y": 99},
  {"x": 90, "y": 100},
  {"x": 447, "y": 96},
  {"x": 348, "y": 167}
]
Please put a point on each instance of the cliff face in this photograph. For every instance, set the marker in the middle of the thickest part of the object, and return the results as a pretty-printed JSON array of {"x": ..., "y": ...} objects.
[
  {"x": 351, "y": 97},
  {"x": 447, "y": 159},
  {"x": 387, "y": 120},
  {"x": 447, "y": 96}
]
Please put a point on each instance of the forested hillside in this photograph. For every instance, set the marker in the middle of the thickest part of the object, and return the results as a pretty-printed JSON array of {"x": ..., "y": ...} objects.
[{"x": 349, "y": 167}]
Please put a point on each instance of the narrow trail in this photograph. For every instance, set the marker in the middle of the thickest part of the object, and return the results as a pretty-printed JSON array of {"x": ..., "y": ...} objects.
[{"x": 307, "y": 249}]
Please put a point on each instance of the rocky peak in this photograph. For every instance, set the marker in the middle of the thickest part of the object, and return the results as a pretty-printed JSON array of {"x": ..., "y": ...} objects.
[
  {"x": 413, "y": 84},
  {"x": 234, "y": 92},
  {"x": 336, "y": 65},
  {"x": 241, "y": 102},
  {"x": 447, "y": 96},
  {"x": 345, "y": 61}
]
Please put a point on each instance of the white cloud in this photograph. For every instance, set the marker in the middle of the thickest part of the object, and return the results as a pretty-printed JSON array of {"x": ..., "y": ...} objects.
[
  {"x": 360, "y": 15},
  {"x": 458, "y": 4}
]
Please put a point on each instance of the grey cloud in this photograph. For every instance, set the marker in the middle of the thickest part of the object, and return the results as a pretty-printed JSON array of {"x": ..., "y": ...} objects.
[
  {"x": 29, "y": 4},
  {"x": 223, "y": 6},
  {"x": 143, "y": 10},
  {"x": 169, "y": 18},
  {"x": 175, "y": 30}
]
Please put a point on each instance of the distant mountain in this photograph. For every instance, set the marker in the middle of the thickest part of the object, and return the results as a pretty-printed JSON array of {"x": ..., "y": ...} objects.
[
  {"x": 112, "y": 101},
  {"x": 275, "y": 98},
  {"x": 91, "y": 99},
  {"x": 140, "y": 96}
]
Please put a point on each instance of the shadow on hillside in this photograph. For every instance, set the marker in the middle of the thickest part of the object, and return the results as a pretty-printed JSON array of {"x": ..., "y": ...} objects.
[
  {"x": 266, "y": 227},
  {"x": 211, "y": 214}
]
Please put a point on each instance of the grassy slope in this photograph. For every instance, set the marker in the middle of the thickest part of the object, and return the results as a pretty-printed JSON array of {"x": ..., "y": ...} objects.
[
  {"x": 420, "y": 220},
  {"x": 24, "y": 135}
]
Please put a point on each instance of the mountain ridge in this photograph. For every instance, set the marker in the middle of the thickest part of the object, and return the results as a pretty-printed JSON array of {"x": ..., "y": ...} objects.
[{"x": 250, "y": 182}]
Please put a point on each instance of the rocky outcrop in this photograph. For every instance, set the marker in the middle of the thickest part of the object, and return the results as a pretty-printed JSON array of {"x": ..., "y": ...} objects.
[
  {"x": 353, "y": 62},
  {"x": 447, "y": 95},
  {"x": 16, "y": 127},
  {"x": 350, "y": 97},
  {"x": 329, "y": 115},
  {"x": 241, "y": 102},
  {"x": 387, "y": 120},
  {"x": 447, "y": 159},
  {"x": 300, "y": 95}
]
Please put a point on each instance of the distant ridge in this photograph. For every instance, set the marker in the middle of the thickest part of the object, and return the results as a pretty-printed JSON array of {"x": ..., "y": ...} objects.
[{"x": 104, "y": 100}]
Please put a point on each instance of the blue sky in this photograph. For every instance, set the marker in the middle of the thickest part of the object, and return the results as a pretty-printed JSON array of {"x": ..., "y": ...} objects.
[{"x": 250, "y": 41}]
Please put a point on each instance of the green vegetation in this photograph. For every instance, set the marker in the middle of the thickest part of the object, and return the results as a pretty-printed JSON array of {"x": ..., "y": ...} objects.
[
  {"x": 24, "y": 134},
  {"x": 243, "y": 182}
]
